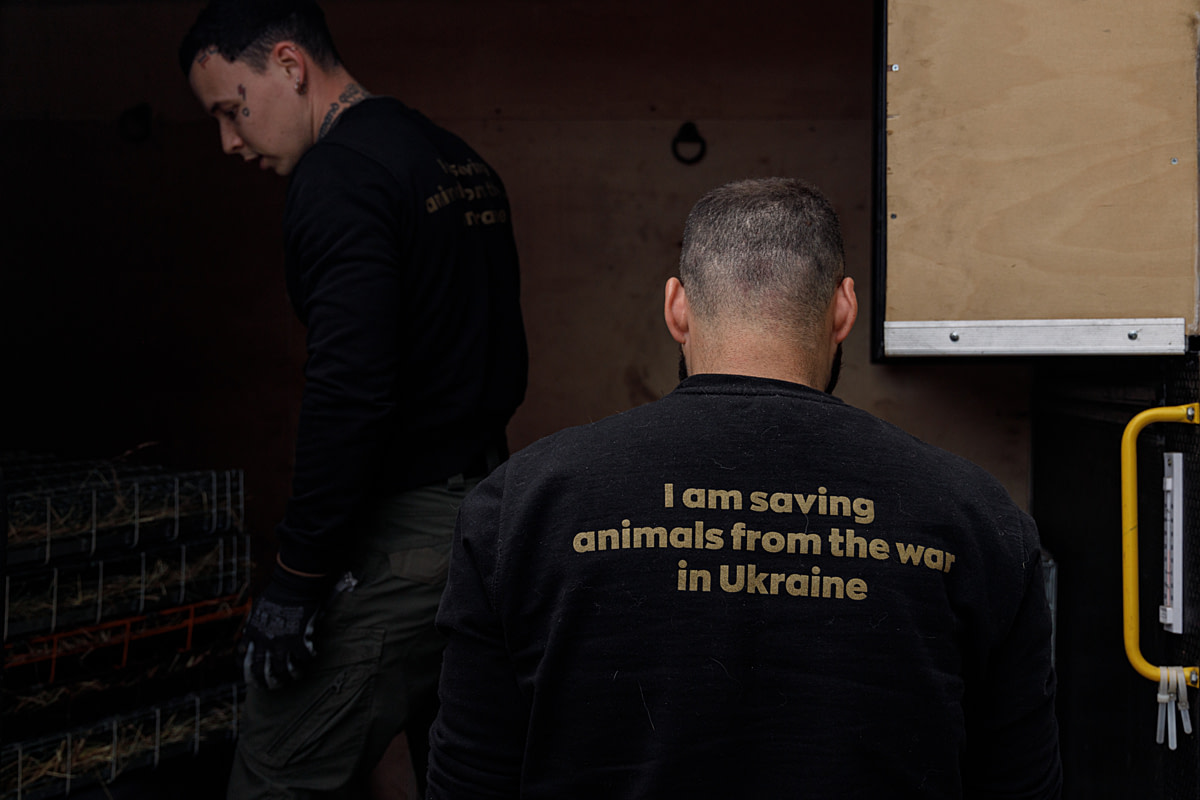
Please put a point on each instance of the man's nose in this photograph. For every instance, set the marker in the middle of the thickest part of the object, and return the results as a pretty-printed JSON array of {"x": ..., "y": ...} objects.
[{"x": 230, "y": 141}]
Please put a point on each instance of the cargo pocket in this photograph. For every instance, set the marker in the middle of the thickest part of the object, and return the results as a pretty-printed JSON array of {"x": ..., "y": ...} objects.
[
  {"x": 334, "y": 707},
  {"x": 427, "y": 565}
]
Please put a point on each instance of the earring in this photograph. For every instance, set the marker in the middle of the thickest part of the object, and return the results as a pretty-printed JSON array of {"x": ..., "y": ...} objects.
[{"x": 301, "y": 88}]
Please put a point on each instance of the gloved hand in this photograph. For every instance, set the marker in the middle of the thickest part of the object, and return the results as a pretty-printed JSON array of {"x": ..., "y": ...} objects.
[{"x": 278, "y": 638}]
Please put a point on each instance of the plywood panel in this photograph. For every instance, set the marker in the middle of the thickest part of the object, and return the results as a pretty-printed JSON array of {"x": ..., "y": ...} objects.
[{"x": 1041, "y": 159}]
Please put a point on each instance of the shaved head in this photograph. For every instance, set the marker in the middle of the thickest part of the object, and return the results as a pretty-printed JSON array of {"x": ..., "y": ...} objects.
[{"x": 763, "y": 252}]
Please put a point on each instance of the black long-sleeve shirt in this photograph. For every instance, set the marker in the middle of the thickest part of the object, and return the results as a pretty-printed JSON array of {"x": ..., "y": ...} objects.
[
  {"x": 401, "y": 263},
  {"x": 746, "y": 589}
]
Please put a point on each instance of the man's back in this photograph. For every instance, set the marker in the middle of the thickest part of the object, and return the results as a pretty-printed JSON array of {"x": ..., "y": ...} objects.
[
  {"x": 396, "y": 220},
  {"x": 747, "y": 589}
]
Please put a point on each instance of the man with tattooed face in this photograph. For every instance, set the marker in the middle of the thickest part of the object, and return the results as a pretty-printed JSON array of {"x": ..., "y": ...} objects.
[{"x": 400, "y": 261}]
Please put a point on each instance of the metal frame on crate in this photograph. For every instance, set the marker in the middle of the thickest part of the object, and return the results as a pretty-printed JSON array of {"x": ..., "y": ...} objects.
[
  {"x": 129, "y": 630},
  {"x": 81, "y": 516},
  {"x": 52, "y": 765},
  {"x": 97, "y": 557},
  {"x": 120, "y": 585}
]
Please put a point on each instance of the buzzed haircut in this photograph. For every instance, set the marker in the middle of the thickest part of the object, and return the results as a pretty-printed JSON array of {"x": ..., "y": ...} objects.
[
  {"x": 767, "y": 250},
  {"x": 248, "y": 29}
]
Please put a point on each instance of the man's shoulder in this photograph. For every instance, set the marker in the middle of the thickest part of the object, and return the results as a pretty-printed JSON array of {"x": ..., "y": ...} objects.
[
  {"x": 563, "y": 443},
  {"x": 376, "y": 114},
  {"x": 389, "y": 132},
  {"x": 699, "y": 408},
  {"x": 377, "y": 129},
  {"x": 382, "y": 141},
  {"x": 768, "y": 421}
]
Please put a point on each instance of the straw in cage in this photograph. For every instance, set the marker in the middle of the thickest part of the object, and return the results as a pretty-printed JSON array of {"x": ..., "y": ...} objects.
[
  {"x": 103, "y": 752},
  {"x": 34, "y": 517},
  {"x": 166, "y": 579},
  {"x": 39, "y": 696},
  {"x": 81, "y": 642}
]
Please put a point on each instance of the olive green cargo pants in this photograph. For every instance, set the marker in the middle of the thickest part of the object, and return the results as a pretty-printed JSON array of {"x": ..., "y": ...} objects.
[{"x": 377, "y": 664}]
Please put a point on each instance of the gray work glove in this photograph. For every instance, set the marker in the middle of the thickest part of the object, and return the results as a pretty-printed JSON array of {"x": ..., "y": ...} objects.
[{"x": 278, "y": 638}]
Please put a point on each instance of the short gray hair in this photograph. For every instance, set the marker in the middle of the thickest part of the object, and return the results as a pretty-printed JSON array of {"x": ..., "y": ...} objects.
[{"x": 769, "y": 249}]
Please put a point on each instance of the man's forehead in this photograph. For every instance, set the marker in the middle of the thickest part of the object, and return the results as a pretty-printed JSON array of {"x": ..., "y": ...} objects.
[
  {"x": 210, "y": 60},
  {"x": 205, "y": 55},
  {"x": 214, "y": 84},
  {"x": 213, "y": 71}
]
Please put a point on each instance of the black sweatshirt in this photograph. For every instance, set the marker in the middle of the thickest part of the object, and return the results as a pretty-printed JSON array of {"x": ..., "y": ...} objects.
[
  {"x": 746, "y": 589},
  {"x": 401, "y": 263}
]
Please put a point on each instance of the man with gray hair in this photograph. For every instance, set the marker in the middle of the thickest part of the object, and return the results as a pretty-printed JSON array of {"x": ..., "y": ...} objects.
[{"x": 747, "y": 588}]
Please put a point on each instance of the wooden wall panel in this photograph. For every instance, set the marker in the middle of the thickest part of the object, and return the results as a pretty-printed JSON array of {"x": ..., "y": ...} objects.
[
  {"x": 1041, "y": 160},
  {"x": 598, "y": 211}
]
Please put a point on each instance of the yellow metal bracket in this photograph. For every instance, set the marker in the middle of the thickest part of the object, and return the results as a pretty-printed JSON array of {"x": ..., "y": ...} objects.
[{"x": 1129, "y": 537}]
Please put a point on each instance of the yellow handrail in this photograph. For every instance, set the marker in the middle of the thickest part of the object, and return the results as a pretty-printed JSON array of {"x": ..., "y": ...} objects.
[{"x": 1129, "y": 536}]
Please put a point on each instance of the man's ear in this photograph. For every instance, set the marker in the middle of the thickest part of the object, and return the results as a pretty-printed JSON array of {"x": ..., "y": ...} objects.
[
  {"x": 291, "y": 59},
  {"x": 676, "y": 311},
  {"x": 845, "y": 310}
]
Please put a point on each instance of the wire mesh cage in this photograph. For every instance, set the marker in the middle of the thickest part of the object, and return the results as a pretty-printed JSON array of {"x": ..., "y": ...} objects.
[
  {"x": 53, "y": 682},
  {"x": 60, "y": 514},
  {"x": 125, "y": 587},
  {"x": 44, "y": 601},
  {"x": 54, "y": 765}
]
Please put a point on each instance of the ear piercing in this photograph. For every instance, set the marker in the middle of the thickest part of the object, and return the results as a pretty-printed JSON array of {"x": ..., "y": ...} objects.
[{"x": 301, "y": 87}]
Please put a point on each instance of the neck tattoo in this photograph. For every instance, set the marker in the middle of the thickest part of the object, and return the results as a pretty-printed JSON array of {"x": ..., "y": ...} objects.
[{"x": 352, "y": 94}]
